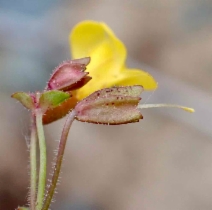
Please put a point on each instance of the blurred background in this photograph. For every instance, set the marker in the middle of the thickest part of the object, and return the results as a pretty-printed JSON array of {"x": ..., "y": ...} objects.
[{"x": 162, "y": 163}]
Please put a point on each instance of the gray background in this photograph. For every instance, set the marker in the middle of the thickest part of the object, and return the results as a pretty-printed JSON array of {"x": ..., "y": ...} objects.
[{"x": 163, "y": 162}]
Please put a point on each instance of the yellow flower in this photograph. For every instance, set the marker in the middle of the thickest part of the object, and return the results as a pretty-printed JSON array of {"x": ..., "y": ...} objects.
[
  {"x": 108, "y": 56},
  {"x": 107, "y": 67}
]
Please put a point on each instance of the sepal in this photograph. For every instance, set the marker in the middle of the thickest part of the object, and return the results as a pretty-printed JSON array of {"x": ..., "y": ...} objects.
[
  {"x": 52, "y": 99},
  {"x": 112, "y": 106},
  {"x": 68, "y": 75},
  {"x": 26, "y": 99}
]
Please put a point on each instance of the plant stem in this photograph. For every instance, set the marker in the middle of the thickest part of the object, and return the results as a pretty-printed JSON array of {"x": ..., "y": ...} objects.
[
  {"x": 60, "y": 153},
  {"x": 33, "y": 164},
  {"x": 42, "y": 171}
]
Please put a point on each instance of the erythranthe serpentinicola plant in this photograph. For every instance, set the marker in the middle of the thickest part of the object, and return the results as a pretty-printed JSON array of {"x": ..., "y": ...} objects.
[{"x": 95, "y": 87}]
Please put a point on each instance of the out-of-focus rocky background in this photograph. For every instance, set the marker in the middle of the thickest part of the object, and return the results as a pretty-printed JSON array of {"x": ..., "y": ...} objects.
[{"x": 162, "y": 163}]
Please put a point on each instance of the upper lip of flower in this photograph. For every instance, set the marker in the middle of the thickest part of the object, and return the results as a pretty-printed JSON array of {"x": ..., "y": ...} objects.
[{"x": 108, "y": 54}]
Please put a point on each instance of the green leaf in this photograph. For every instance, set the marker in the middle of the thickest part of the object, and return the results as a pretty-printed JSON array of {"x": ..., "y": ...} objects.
[
  {"x": 52, "y": 99},
  {"x": 25, "y": 98}
]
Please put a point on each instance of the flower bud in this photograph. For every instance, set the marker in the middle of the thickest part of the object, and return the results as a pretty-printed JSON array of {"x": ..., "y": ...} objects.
[{"x": 69, "y": 75}]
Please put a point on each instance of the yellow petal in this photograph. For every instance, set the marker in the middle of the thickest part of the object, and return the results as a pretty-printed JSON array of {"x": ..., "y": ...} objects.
[
  {"x": 123, "y": 78},
  {"x": 95, "y": 39},
  {"x": 97, "y": 83},
  {"x": 108, "y": 55},
  {"x": 136, "y": 77}
]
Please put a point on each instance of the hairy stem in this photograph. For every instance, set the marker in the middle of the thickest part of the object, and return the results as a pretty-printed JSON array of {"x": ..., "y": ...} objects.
[
  {"x": 59, "y": 159},
  {"x": 33, "y": 163},
  {"x": 42, "y": 171}
]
